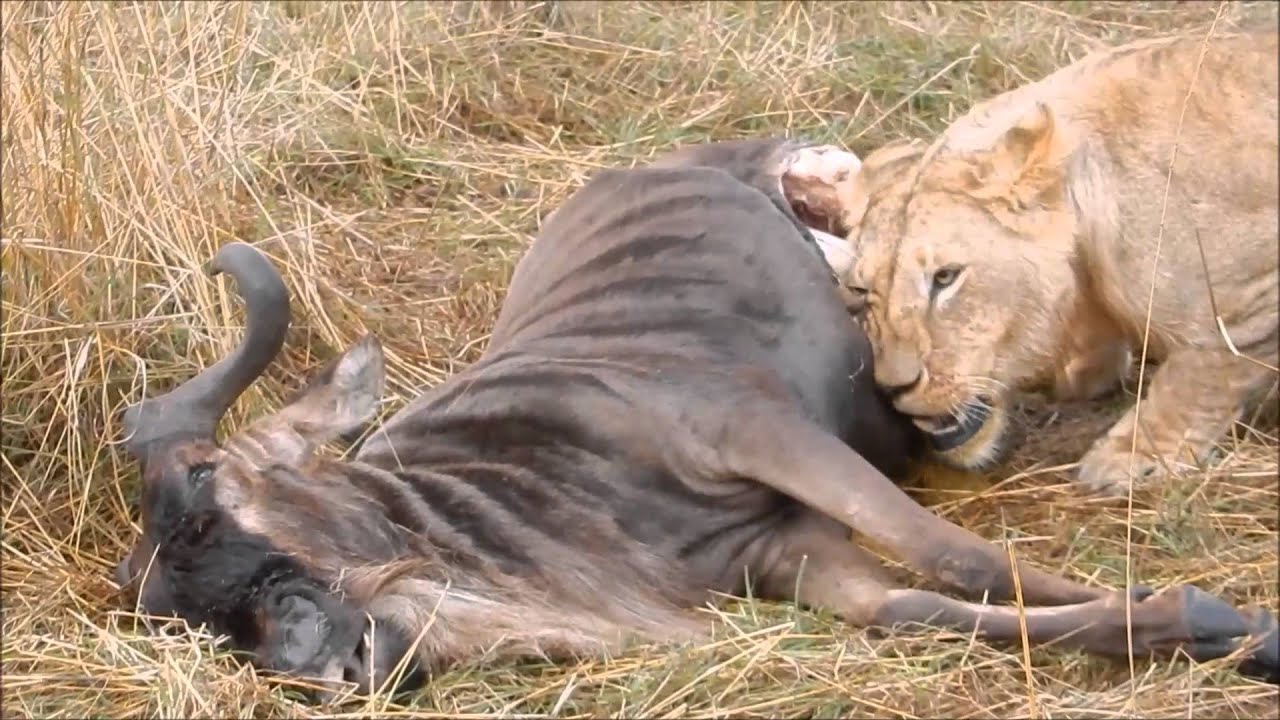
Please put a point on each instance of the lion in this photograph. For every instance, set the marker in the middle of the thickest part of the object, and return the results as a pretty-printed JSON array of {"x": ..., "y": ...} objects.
[{"x": 1023, "y": 249}]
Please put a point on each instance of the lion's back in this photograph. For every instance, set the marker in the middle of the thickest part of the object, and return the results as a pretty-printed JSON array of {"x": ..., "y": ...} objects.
[{"x": 1195, "y": 149}]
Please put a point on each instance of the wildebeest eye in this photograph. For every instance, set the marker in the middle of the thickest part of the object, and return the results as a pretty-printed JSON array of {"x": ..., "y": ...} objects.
[
  {"x": 200, "y": 473},
  {"x": 945, "y": 276}
]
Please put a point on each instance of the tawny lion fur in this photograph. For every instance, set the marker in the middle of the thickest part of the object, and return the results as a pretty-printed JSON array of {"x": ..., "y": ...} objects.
[{"x": 1019, "y": 251}]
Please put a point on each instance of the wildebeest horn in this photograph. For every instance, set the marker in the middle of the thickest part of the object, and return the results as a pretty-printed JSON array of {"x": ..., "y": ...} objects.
[{"x": 194, "y": 408}]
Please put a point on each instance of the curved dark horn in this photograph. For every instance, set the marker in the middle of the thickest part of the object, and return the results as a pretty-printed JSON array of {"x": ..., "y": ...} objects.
[{"x": 194, "y": 408}]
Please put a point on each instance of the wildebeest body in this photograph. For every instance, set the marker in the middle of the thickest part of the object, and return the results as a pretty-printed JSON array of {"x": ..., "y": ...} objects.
[{"x": 645, "y": 298}]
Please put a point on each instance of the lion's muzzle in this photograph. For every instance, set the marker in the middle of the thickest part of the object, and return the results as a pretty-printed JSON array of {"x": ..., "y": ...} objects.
[
  {"x": 952, "y": 431},
  {"x": 974, "y": 438},
  {"x": 958, "y": 429}
]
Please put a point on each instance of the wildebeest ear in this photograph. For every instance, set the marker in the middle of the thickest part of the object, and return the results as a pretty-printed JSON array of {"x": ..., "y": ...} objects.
[{"x": 341, "y": 396}]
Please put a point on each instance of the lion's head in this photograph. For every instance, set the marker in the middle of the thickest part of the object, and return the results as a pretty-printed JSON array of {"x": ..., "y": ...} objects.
[{"x": 964, "y": 275}]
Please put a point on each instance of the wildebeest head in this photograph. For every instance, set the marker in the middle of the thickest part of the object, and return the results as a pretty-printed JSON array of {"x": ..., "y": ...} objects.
[{"x": 225, "y": 537}]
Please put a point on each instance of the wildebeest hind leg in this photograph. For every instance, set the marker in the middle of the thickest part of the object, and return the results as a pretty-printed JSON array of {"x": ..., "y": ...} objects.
[{"x": 812, "y": 562}]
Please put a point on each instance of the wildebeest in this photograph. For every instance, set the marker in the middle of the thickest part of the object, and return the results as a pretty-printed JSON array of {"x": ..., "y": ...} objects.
[{"x": 674, "y": 403}]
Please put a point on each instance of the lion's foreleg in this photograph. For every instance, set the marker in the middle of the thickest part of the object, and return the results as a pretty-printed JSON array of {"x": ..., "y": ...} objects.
[{"x": 1192, "y": 400}]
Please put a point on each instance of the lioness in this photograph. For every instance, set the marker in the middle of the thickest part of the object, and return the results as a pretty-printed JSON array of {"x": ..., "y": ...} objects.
[{"x": 1022, "y": 249}]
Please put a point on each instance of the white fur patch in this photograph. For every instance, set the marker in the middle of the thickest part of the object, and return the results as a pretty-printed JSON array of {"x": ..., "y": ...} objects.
[
  {"x": 826, "y": 164},
  {"x": 819, "y": 170},
  {"x": 923, "y": 285},
  {"x": 836, "y": 250}
]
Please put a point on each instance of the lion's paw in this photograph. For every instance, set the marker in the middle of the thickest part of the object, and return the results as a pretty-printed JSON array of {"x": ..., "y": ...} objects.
[{"x": 1111, "y": 464}]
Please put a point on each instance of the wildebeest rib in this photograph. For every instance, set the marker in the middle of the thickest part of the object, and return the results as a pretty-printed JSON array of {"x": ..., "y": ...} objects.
[
  {"x": 669, "y": 285},
  {"x": 663, "y": 225},
  {"x": 562, "y": 377}
]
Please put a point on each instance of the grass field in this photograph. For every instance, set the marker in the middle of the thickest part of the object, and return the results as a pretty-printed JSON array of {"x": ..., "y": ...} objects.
[{"x": 394, "y": 160}]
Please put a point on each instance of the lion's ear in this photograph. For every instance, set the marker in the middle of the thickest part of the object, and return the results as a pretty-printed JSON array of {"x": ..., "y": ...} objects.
[
  {"x": 1029, "y": 142},
  {"x": 1024, "y": 166}
]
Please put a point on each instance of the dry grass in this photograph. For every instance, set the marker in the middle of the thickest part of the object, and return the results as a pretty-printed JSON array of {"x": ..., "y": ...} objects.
[{"x": 395, "y": 159}]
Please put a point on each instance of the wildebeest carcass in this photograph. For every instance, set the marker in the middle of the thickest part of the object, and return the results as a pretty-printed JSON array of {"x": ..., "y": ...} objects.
[{"x": 673, "y": 403}]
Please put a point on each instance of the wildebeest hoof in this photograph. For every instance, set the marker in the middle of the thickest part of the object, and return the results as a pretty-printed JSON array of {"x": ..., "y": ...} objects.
[
  {"x": 1264, "y": 662},
  {"x": 1141, "y": 592},
  {"x": 1211, "y": 622},
  {"x": 1215, "y": 629},
  {"x": 382, "y": 654}
]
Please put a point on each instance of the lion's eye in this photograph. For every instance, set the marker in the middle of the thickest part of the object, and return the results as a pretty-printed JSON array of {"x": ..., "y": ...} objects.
[
  {"x": 945, "y": 276},
  {"x": 200, "y": 473}
]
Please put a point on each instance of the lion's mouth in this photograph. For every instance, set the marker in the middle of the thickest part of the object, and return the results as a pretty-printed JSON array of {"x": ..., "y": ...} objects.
[{"x": 951, "y": 431}]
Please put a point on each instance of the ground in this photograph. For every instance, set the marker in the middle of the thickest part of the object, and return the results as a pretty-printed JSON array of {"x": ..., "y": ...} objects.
[{"x": 395, "y": 160}]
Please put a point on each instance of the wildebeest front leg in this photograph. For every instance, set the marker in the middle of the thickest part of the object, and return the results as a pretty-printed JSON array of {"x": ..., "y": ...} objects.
[
  {"x": 788, "y": 452},
  {"x": 791, "y": 454},
  {"x": 811, "y": 563}
]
